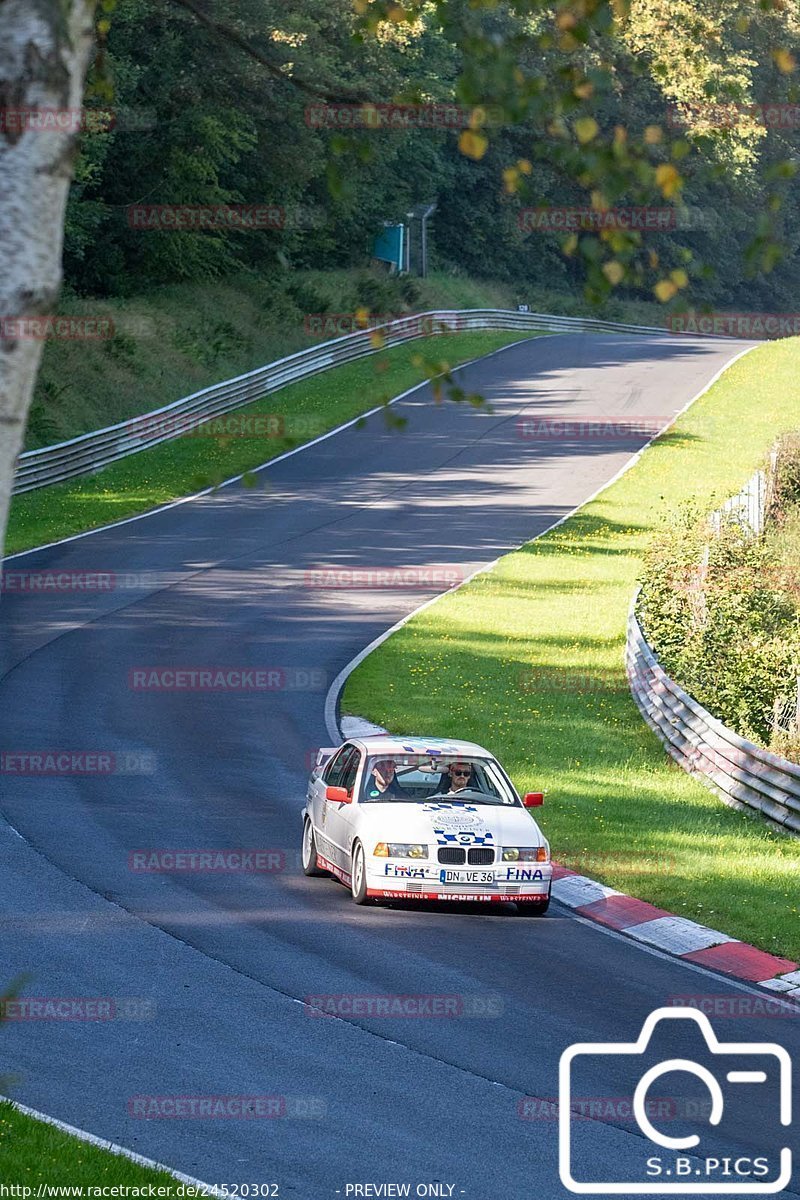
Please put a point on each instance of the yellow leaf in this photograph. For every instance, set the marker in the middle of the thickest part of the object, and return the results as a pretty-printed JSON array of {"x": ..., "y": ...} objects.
[
  {"x": 362, "y": 317},
  {"x": 679, "y": 278},
  {"x": 477, "y": 117},
  {"x": 524, "y": 166},
  {"x": 664, "y": 290},
  {"x": 654, "y": 259},
  {"x": 566, "y": 20},
  {"x": 669, "y": 180},
  {"x": 473, "y": 144},
  {"x": 376, "y": 339},
  {"x": 570, "y": 244},
  {"x": 599, "y": 202},
  {"x": 586, "y": 129},
  {"x": 653, "y": 135},
  {"x": 784, "y": 60},
  {"x": 614, "y": 272},
  {"x": 584, "y": 90},
  {"x": 510, "y": 179},
  {"x": 620, "y": 135}
]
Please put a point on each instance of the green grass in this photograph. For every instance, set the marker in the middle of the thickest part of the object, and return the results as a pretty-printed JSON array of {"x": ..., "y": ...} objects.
[
  {"x": 32, "y": 1152},
  {"x": 527, "y": 659},
  {"x": 187, "y": 464},
  {"x": 177, "y": 339}
]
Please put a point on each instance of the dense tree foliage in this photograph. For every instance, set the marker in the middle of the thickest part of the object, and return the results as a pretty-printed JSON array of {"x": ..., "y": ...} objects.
[{"x": 568, "y": 103}]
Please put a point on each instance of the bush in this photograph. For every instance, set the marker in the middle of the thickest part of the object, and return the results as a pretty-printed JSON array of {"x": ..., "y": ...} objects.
[
  {"x": 723, "y": 621},
  {"x": 785, "y": 491}
]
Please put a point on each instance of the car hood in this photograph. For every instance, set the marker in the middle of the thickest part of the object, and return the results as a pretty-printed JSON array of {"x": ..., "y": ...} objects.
[{"x": 438, "y": 823}]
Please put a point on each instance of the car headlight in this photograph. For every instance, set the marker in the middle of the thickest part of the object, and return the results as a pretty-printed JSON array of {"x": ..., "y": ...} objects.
[
  {"x": 525, "y": 854},
  {"x": 400, "y": 850}
]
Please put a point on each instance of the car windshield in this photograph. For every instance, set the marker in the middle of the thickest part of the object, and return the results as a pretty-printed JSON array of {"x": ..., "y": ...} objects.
[{"x": 415, "y": 778}]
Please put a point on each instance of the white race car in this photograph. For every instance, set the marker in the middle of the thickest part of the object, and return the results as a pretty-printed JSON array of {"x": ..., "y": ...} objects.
[{"x": 401, "y": 818}]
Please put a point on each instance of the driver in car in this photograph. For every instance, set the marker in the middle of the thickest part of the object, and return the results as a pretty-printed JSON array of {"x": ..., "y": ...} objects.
[
  {"x": 459, "y": 775},
  {"x": 384, "y": 781}
]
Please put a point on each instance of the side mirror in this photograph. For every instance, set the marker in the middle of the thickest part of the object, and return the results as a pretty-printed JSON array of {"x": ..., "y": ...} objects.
[
  {"x": 338, "y": 795},
  {"x": 530, "y": 799}
]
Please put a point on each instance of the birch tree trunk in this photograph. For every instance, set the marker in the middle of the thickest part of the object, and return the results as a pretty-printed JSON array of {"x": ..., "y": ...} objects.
[{"x": 44, "y": 52}]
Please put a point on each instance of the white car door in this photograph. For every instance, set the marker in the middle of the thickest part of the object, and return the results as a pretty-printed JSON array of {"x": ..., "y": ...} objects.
[
  {"x": 340, "y": 816},
  {"x": 329, "y": 823}
]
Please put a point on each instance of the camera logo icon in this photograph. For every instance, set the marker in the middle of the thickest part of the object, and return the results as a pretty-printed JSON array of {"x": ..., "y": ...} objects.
[{"x": 683, "y": 1167}]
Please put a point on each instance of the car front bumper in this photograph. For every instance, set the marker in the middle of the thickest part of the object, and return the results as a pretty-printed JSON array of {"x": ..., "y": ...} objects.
[{"x": 511, "y": 885}]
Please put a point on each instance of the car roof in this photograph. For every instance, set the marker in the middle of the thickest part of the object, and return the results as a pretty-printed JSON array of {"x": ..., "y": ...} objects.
[{"x": 386, "y": 743}]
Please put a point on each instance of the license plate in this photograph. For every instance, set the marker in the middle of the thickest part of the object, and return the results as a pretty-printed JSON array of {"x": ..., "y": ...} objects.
[{"x": 467, "y": 877}]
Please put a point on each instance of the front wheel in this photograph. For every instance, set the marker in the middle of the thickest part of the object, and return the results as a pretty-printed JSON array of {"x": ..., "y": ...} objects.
[
  {"x": 309, "y": 850},
  {"x": 358, "y": 875},
  {"x": 533, "y": 908}
]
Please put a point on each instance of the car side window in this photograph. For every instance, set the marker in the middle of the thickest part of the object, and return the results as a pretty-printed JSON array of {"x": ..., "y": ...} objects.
[
  {"x": 333, "y": 771},
  {"x": 350, "y": 769}
]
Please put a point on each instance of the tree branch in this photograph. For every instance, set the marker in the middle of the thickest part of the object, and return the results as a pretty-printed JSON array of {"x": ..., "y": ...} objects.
[{"x": 228, "y": 34}]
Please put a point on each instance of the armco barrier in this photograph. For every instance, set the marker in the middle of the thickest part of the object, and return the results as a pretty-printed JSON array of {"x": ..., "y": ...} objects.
[
  {"x": 744, "y": 775},
  {"x": 93, "y": 451}
]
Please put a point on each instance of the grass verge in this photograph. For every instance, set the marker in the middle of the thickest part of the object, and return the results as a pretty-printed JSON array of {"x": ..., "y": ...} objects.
[
  {"x": 187, "y": 464},
  {"x": 527, "y": 659},
  {"x": 33, "y": 1152},
  {"x": 180, "y": 338}
]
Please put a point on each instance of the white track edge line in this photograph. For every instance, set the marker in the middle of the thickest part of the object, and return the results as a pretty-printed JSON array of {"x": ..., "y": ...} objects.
[
  {"x": 112, "y": 1147},
  {"x": 334, "y": 691}
]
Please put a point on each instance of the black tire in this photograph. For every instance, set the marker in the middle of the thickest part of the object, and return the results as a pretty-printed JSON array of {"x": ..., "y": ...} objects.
[
  {"x": 308, "y": 852},
  {"x": 358, "y": 875},
  {"x": 532, "y": 908}
]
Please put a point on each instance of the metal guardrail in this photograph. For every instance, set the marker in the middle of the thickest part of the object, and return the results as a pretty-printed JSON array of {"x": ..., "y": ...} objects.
[
  {"x": 744, "y": 775},
  {"x": 91, "y": 452},
  {"x": 749, "y": 506}
]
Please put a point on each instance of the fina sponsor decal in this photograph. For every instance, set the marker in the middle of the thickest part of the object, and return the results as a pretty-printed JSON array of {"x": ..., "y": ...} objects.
[{"x": 521, "y": 874}]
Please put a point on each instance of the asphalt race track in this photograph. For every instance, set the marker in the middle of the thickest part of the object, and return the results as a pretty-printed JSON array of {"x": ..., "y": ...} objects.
[{"x": 219, "y": 964}]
